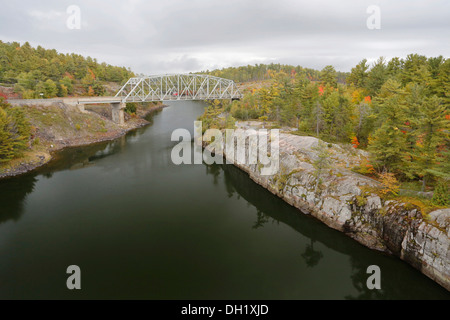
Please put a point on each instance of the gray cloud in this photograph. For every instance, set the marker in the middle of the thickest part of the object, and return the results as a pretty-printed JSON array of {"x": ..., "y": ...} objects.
[{"x": 180, "y": 36}]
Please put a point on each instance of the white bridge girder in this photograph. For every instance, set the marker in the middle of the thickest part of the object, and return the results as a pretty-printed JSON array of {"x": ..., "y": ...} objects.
[{"x": 178, "y": 87}]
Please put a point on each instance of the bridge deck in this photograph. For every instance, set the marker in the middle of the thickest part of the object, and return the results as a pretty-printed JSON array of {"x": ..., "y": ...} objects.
[
  {"x": 70, "y": 101},
  {"x": 108, "y": 100}
]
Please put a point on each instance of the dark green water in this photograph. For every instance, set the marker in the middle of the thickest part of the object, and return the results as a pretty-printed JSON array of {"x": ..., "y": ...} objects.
[{"x": 140, "y": 227}]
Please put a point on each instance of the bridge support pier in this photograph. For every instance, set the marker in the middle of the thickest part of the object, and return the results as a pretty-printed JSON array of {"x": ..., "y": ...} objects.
[
  {"x": 117, "y": 112},
  {"x": 81, "y": 107}
]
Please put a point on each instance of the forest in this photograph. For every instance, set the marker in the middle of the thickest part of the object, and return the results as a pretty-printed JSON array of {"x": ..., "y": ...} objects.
[
  {"x": 398, "y": 110},
  {"x": 43, "y": 73},
  {"x": 260, "y": 72}
]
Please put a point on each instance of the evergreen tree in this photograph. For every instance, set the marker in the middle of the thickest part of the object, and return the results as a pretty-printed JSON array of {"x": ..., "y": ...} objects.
[
  {"x": 6, "y": 142},
  {"x": 388, "y": 143},
  {"x": 415, "y": 69},
  {"x": 328, "y": 76},
  {"x": 376, "y": 77},
  {"x": 441, "y": 194},
  {"x": 434, "y": 132},
  {"x": 441, "y": 85},
  {"x": 394, "y": 68},
  {"x": 329, "y": 104},
  {"x": 359, "y": 74},
  {"x": 322, "y": 162},
  {"x": 14, "y": 131}
]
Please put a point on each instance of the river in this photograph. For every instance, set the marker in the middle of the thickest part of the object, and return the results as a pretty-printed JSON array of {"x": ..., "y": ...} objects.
[{"x": 140, "y": 227}]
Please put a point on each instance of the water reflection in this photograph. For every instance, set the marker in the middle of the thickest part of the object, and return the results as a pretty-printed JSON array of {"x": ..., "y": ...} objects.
[
  {"x": 311, "y": 256},
  {"x": 395, "y": 284},
  {"x": 359, "y": 279},
  {"x": 215, "y": 172},
  {"x": 16, "y": 189},
  {"x": 261, "y": 219},
  {"x": 16, "y": 192}
]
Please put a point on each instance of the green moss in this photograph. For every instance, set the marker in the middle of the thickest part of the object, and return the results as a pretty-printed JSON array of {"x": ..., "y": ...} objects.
[
  {"x": 281, "y": 180},
  {"x": 361, "y": 201}
]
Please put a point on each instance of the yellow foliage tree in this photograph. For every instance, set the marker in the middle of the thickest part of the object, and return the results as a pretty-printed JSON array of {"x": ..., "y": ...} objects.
[{"x": 389, "y": 184}]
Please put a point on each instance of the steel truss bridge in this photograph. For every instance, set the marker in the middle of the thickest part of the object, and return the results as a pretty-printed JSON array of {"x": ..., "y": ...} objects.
[{"x": 178, "y": 87}]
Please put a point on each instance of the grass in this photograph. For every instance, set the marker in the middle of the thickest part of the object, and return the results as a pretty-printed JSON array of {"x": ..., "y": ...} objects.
[
  {"x": 411, "y": 185},
  {"x": 65, "y": 125},
  {"x": 424, "y": 204},
  {"x": 48, "y": 117}
]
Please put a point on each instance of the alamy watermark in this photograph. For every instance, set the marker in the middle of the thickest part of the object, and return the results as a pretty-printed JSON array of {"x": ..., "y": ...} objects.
[
  {"x": 74, "y": 280},
  {"x": 73, "y": 21},
  {"x": 373, "y": 22},
  {"x": 374, "y": 280},
  {"x": 238, "y": 146}
]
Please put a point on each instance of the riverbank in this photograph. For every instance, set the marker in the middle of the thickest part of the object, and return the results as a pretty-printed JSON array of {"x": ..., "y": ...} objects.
[
  {"x": 59, "y": 126},
  {"x": 349, "y": 202}
]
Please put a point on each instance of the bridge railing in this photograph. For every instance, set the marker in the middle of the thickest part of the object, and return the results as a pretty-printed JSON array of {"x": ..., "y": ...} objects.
[{"x": 178, "y": 87}]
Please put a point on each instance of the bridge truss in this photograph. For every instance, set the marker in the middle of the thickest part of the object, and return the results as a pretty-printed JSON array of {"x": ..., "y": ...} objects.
[{"x": 178, "y": 87}]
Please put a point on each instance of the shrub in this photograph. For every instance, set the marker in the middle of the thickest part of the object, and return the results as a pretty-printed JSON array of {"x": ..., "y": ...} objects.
[
  {"x": 355, "y": 142},
  {"x": 364, "y": 168},
  {"x": 441, "y": 195},
  {"x": 389, "y": 184},
  {"x": 131, "y": 108},
  {"x": 361, "y": 201}
]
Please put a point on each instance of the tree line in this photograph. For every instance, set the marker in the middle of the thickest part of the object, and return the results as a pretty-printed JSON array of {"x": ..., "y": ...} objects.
[
  {"x": 39, "y": 72},
  {"x": 396, "y": 109},
  {"x": 260, "y": 72}
]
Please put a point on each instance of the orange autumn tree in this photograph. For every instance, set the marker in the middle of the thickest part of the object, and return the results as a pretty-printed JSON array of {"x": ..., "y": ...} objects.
[
  {"x": 91, "y": 92},
  {"x": 355, "y": 142}
]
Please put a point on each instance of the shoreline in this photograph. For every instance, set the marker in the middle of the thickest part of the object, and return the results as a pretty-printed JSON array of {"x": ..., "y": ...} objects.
[
  {"x": 22, "y": 166},
  {"x": 346, "y": 201}
]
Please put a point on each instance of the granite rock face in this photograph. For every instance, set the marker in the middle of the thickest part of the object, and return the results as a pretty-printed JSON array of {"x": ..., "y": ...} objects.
[{"x": 339, "y": 198}]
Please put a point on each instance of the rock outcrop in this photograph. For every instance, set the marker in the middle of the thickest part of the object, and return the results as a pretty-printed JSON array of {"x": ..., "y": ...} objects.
[{"x": 342, "y": 199}]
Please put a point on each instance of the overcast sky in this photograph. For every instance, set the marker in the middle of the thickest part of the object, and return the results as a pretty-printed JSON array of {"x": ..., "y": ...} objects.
[{"x": 154, "y": 37}]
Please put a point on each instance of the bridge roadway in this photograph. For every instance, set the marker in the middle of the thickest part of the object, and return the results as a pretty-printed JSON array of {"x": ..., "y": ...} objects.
[
  {"x": 168, "y": 87},
  {"x": 116, "y": 103}
]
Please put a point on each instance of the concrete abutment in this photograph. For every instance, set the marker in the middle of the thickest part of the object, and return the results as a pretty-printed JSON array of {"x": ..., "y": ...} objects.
[{"x": 118, "y": 112}]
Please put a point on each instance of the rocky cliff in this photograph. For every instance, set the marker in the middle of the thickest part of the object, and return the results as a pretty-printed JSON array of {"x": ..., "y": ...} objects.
[{"x": 342, "y": 199}]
